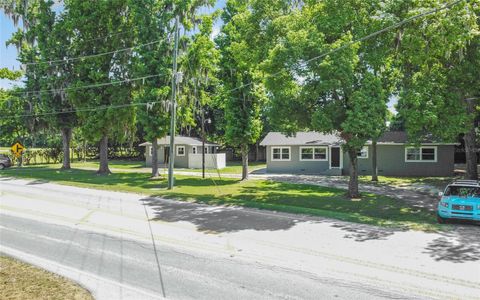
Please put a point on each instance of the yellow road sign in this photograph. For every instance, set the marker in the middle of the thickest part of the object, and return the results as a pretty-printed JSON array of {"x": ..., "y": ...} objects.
[{"x": 18, "y": 149}]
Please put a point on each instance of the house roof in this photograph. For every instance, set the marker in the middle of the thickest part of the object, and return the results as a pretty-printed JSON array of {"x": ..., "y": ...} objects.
[
  {"x": 315, "y": 138},
  {"x": 181, "y": 140},
  {"x": 401, "y": 137},
  {"x": 300, "y": 138}
]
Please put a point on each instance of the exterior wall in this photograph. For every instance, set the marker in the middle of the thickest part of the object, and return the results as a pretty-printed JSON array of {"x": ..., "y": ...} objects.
[
  {"x": 295, "y": 165},
  {"x": 180, "y": 161},
  {"x": 391, "y": 162},
  {"x": 212, "y": 161}
]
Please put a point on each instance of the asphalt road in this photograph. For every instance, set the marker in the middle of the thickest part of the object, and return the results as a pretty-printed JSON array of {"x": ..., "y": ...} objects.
[
  {"x": 178, "y": 274},
  {"x": 126, "y": 246}
]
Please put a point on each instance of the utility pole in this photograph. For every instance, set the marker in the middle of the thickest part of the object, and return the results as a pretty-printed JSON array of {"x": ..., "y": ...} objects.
[
  {"x": 171, "y": 158},
  {"x": 203, "y": 143}
]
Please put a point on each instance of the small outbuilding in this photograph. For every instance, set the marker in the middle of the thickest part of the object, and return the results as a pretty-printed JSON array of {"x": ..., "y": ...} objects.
[
  {"x": 188, "y": 153},
  {"x": 317, "y": 153}
]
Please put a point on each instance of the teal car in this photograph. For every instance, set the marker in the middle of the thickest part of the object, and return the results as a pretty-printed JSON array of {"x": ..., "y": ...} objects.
[{"x": 460, "y": 200}]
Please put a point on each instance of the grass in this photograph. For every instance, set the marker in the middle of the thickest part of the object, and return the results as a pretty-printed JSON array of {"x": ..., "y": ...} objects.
[
  {"x": 295, "y": 198},
  {"x": 22, "y": 281},
  {"x": 231, "y": 168},
  {"x": 438, "y": 182}
]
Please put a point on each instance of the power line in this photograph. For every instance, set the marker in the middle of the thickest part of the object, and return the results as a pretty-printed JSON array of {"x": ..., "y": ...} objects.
[
  {"x": 86, "y": 86},
  {"x": 57, "y": 62},
  {"x": 396, "y": 25},
  {"x": 69, "y": 111},
  {"x": 399, "y": 24}
]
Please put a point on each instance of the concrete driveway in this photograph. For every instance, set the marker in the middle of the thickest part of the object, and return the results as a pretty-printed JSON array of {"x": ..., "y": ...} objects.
[{"x": 132, "y": 246}]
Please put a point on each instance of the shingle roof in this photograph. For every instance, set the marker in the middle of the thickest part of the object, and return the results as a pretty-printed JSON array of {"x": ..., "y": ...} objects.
[
  {"x": 181, "y": 140},
  {"x": 315, "y": 138},
  {"x": 300, "y": 138},
  {"x": 401, "y": 137}
]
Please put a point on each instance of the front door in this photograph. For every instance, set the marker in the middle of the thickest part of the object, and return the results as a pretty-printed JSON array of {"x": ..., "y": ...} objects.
[{"x": 335, "y": 157}]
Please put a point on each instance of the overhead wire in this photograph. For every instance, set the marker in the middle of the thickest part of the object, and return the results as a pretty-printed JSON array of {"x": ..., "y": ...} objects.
[
  {"x": 57, "y": 62},
  {"x": 351, "y": 43},
  {"x": 376, "y": 33}
]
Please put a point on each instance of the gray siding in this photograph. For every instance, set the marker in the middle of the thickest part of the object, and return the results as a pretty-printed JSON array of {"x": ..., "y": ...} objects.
[
  {"x": 180, "y": 161},
  {"x": 391, "y": 162},
  {"x": 295, "y": 165}
]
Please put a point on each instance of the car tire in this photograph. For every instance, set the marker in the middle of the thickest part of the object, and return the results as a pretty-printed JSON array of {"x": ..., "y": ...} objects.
[{"x": 441, "y": 220}]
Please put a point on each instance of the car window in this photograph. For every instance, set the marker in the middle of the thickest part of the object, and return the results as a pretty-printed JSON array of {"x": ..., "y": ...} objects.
[{"x": 463, "y": 191}]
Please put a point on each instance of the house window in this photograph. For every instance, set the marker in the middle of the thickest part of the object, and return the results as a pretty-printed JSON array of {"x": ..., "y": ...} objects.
[
  {"x": 422, "y": 154},
  {"x": 363, "y": 153},
  {"x": 151, "y": 150},
  {"x": 194, "y": 149},
  {"x": 313, "y": 153},
  {"x": 280, "y": 153},
  {"x": 180, "y": 150}
]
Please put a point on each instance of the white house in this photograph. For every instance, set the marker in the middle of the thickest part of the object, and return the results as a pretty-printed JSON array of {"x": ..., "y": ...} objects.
[{"x": 188, "y": 153}]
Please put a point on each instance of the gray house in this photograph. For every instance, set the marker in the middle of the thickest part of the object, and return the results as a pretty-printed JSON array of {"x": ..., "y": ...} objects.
[
  {"x": 316, "y": 153},
  {"x": 188, "y": 153}
]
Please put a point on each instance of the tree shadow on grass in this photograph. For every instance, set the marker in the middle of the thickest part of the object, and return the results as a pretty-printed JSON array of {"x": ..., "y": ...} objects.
[{"x": 290, "y": 198}]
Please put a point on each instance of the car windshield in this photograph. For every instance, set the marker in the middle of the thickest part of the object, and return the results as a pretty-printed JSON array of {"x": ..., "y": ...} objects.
[{"x": 463, "y": 191}]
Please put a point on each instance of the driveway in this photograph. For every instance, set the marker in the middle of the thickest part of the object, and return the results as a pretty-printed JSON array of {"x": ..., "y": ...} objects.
[{"x": 120, "y": 244}]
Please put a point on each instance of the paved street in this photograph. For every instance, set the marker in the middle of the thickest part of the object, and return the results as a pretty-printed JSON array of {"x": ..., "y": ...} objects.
[{"x": 129, "y": 246}]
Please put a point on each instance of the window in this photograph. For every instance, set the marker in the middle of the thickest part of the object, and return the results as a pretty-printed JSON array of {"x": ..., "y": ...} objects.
[
  {"x": 428, "y": 154},
  {"x": 194, "y": 149},
  {"x": 422, "y": 154},
  {"x": 313, "y": 153},
  {"x": 462, "y": 191},
  {"x": 180, "y": 150},
  {"x": 363, "y": 153},
  {"x": 151, "y": 150},
  {"x": 281, "y": 153}
]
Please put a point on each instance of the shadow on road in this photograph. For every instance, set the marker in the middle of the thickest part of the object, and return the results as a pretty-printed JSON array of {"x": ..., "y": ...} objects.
[
  {"x": 216, "y": 219},
  {"x": 460, "y": 245}
]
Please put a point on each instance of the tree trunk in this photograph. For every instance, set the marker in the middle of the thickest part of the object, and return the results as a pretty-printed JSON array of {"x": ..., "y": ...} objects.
[
  {"x": 84, "y": 151},
  {"x": 104, "y": 170},
  {"x": 66, "y": 138},
  {"x": 244, "y": 150},
  {"x": 353, "y": 183},
  {"x": 470, "y": 145},
  {"x": 374, "y": 161},
  {"x": 155, "y": 158}
]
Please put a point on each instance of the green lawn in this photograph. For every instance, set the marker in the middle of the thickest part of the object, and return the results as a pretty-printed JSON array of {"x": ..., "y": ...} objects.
[
  {"x": 295, "y": 198},
  {"x": 438, "y": 182},
  {"x": 232, "y": 167}
]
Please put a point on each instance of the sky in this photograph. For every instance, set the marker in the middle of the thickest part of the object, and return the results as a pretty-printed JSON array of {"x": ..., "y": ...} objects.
[{"x": 8, "y": 55}]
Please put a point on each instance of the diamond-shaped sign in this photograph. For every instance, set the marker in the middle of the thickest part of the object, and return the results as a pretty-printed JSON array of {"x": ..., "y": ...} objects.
[{"x": 17, "y": 149}]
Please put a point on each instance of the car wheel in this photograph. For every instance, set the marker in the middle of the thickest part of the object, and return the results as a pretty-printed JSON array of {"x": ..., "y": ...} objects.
[
  {"x": 441, "y": 220},
  {"x": 2, "y": 167}
]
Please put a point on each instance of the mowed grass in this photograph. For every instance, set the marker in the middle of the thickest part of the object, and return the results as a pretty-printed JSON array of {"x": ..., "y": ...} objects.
[
  {"x": 263, "y": 194},
  {"x": 231, "y": 168},
  {"x": 22, "y": 281},
  {"x": 437, "y": 182}
]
